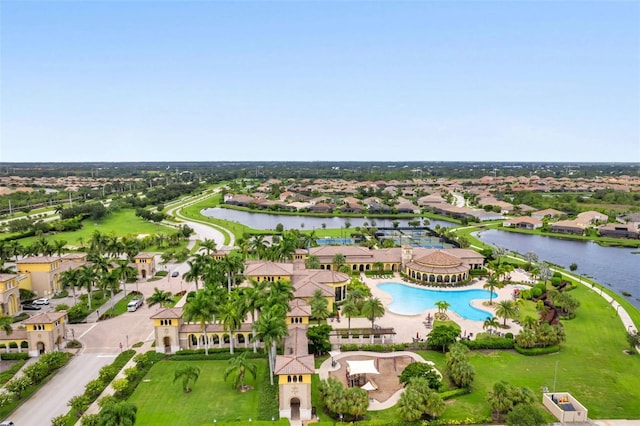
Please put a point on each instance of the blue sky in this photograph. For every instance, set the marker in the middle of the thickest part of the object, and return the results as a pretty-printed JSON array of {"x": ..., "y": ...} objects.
[{"x": 289, "y": 80}]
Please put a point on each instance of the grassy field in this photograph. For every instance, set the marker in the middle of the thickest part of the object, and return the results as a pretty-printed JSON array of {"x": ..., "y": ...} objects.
[
  {"x": 120, "y": 223},
  {"x": 160, "y": 401},
  {"x": 591, "y": 365}
]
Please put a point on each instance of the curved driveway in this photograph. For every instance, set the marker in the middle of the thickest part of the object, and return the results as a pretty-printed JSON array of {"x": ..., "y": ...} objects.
[{"x": 101, "y": 342}]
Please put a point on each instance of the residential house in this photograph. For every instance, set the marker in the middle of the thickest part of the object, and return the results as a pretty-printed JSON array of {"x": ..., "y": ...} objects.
[
  {"x": 547, "y": 214},
  {"x": 524, "y": 222}
]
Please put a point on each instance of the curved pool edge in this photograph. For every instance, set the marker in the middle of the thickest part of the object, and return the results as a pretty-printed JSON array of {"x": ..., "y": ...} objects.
[{"x": 485, "y": 313}]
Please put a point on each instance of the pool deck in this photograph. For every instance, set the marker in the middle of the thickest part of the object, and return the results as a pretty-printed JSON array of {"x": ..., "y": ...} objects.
[{"x": 408, "y": 326}]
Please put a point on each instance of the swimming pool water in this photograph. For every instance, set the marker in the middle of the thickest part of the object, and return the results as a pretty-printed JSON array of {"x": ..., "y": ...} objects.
[{"x": 411, "y": 300}]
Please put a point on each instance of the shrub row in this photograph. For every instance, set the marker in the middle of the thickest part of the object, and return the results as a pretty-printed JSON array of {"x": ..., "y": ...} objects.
[
  {"x": 94, "y": 388},
  {"x": 454, "y": 392},
  {"x": 494, "y": 343},
  {"x": 436, "y": 422},
  {"x": 14, "y": 356},
  {"x": 18, "y": 389},
  {"x": 349, "y": 347},
  {"x": 213, "y": 356},
  {"x": 537, "y": 351}
]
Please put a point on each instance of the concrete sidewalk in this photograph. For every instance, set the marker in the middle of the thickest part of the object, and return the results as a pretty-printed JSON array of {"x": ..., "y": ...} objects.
[{"x": 94, "y": 408}]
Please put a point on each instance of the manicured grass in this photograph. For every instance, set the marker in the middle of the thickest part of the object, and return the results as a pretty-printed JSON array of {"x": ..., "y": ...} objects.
[
  {"x": 120, "y": 223},
  {"x": 160, "y": 401},
  {"x": 591, "y": 365},
  {"x": 192, "y": 212}
]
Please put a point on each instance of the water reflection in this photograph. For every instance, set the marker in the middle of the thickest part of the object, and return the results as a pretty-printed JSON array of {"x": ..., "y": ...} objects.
[{"x": 270, "y": 221}]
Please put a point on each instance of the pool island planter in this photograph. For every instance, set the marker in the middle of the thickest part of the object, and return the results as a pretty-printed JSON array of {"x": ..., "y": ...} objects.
[{"x": 565, "y": 407}]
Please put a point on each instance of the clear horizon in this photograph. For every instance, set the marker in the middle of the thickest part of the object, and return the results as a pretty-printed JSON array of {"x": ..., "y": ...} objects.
[{"x": 182, "y": 81}]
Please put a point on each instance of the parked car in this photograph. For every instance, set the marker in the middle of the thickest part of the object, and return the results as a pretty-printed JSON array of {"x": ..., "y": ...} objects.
[
  {"x": 134, "y": 305},
  {"x": 175, "y": 274},
  {"x": 7, "y": 423},
  {"x": 30, "y": 307},
  {"x": 41, "y": 301}
]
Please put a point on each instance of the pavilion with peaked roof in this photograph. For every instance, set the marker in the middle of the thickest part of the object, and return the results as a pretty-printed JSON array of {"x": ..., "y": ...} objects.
[{"x": 438, "y": 267}]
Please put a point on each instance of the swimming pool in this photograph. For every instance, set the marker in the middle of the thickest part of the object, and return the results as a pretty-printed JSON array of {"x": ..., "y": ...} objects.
[{"x": 411, "y": 300}]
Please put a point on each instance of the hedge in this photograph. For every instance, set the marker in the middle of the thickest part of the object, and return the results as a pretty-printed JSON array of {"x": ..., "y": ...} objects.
[
  {"x": 349, "y": 347},
  {"x": 489, "y": 343},
  {"x": 212, "y": 356},
  {"x": 537, "y": 351},
  {"x": 454, "y": 392},
  {"x": 14, "y": 356}
]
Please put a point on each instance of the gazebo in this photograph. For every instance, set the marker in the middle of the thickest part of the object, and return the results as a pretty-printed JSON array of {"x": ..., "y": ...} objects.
[{"x": 357, "y": 372}]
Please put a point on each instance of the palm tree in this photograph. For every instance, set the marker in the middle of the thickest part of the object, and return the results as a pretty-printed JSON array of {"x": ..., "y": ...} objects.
[
  {"x": 349, "y": 309},
  {"x": 442, "y": 306},
  {"x": 58, "y": 247},
  {"x": 271, "y": 327},
  {"x": 188, "y": 373},
  {"x": 254, "y": 298},
  {"x": 280, "y": 293},
  {"x": 529, "y": 322},
  {"x": 505, "y": 309},
  {"x": 379, "y": 267},
  {"x": 159, "y": 297},
  {"x": 70, "y": 278},
  {"x": 490, "y": 323},
  {"x": 258, "y": 245},
  {"x": 5, "y": 324},
  {"x": 530, "y": 257},
  {"x": 86, "y": 278},
  {"x": 232, "y": 264},
  {"x": 111, "y": 282},
  {"x": 312, "y": 262},
  {"x": 201, "y": 308},
  {"x": 318, "y": 303},
  {"x": 230, "y": 318},
  {"x": 491, "y": 284},
  {"x": 125, "y": 273},
  {"x": 209, "y": 246},
  {"x": 498, "y": 253},
  {"x": 240, "y": 365},
  {"x": 338, "y": 260},
  {"x": 196, "y": 269},
  {"x": 372, "y": 308},
  {"x": 120, "y": 413}
]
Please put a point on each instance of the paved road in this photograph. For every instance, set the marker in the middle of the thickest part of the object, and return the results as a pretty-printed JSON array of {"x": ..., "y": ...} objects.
[{"x": 101, "y": 343}]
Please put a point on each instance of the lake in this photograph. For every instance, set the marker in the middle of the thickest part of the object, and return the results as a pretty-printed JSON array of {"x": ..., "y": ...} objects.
[
  {"x": 270, "y": 221},
  {"x": 614, "y": 267}
]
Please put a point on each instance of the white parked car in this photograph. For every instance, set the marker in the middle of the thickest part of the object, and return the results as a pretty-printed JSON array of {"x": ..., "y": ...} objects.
[{"x": 41, "y": 301}]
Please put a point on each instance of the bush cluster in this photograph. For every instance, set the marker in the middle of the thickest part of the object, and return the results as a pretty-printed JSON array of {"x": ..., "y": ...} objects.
[{"x": 537, "y": 350}]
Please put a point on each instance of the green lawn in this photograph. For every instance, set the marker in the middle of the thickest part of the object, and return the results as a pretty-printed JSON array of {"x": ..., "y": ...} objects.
[
  {"x": 160, "y": 401},
  {"x": 120, "y": 223},
  {"x": 591, "y": 365}
]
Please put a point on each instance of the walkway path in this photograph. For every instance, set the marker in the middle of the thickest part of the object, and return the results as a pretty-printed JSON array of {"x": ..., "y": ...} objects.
[
  {"x": 627, "y": 322},
  {"x": 374, "y": 405}
]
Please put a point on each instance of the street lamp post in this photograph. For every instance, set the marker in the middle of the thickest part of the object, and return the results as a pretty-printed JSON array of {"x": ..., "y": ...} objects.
[{"x": 127, "y": 336}]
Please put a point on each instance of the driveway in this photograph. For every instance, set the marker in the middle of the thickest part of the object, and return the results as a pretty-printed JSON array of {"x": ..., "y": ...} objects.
[{"x": 101, "y": 342}]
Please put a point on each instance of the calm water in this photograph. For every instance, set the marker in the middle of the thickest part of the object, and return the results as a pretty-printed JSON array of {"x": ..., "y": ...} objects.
[
  {"x": 270, "y": 221},
  {"x": 409, "y": 300},
  {"x": 613, "y": 267}
]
